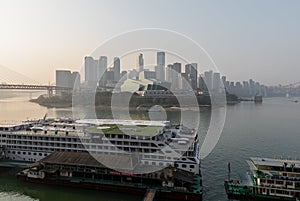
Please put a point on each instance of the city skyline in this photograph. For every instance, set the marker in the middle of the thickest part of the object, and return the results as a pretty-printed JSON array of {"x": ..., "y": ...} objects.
[
  {"x": 244, "y": 38},
  {"x": 180, "y": 77}
]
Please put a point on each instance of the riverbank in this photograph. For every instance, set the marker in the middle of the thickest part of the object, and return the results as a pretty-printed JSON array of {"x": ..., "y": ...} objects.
[
  {"x": 104, "y": 100},
  {"x": 54, "y": 101}
]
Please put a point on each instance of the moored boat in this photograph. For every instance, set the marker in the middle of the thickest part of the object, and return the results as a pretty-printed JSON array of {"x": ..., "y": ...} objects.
[{"x": 269, "y": 179}]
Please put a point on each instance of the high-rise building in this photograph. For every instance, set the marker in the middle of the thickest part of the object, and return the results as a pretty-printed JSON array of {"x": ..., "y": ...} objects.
[
  {"x": 160, "y": 73},
  {"x": 140, "y": 63},
  {"x": 117, "y": 69},
  {"x": 191, "y": 70},
  {"x": 208, "y": 78},
  {"x": 124, "y": 74},
  {"x": 101, "y": 69},
  {"x": 252, "y": 87},
  {"x": 102, "y": 66},
  {"x": 110, "y": 75},
  {"x": 64, "y": 78},
  {"x": 160, "y": 66},
  {"x": 246, "y": 89},
  {"x": 185, "y": 81},
  {"x": 175, "y": 76},
  {"x": 224, "y": 81},
  {"x": 90, "y": 70},
  {"x": 202, "y": 84},
  {"x": 75, "y": 80},
  {"x": 148, "y": 74},
  {"x": 216, "y": 82},
  {"x": 168, "y": 72},
  {"x": 177, "y": 67},
  {"x": 161, "y": 58}
]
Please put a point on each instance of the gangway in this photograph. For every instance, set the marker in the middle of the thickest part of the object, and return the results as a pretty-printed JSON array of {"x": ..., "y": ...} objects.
[{"x": 149, "y": 195}]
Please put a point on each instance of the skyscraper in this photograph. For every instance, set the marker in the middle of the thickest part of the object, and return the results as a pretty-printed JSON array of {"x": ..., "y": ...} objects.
[
  {"x": 208, "y": 79},
  {"x": 117, "y": 69},
  {"x": 90, "y": 70},
  {"x": 168, "y": 72},
  {"x": 140, "y": 63},
  {"x": 252, "y": 87},
  {"x": 63, "y": 78},
  {"x": 176, "y": 76},
  {"x": 124, "y": 74},
  {"x": 191, "y": 70},
  {"x": 160, "y": 66},
  {"x": 224, "y": 81},
  {"x": 185, "y": 82},
  {"x": 102, "y": 65},
  {"x": 101, "y": 69},
  {"x": 161, "y": 58},
  {"x": 75, "y": 80},
  {"x": 202, "y": 84},
  {"x": 216, "y": 82}
]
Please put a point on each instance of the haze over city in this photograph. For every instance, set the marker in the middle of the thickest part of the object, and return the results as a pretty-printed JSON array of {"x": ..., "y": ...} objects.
[{"x": 252, "y": 39}]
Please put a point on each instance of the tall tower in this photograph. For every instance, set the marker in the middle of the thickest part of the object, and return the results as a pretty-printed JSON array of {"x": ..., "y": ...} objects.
[
  {"x": 160, "y": 66},
  {"x": 208, "y": 78},
  {"x": 176, "y": 76},
  {"x": 216, "y": 82},
  {"x": 101, "y": 69},
  {"x": 140, "y": 63},
  {"x": 117, "y": 69},
  {"x": 161, "y": 58},
  {"x": 90, "y": 70},
  {"x": 192, "y": 73}
]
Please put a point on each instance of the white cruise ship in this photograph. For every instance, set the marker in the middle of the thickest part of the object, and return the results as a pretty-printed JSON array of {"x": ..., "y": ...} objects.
[{"x": 155, "y": 143}]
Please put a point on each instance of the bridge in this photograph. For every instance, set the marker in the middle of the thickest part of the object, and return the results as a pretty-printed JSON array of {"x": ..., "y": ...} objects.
[
  {"x": 49, "y": 88},
  {"x": 10, "y": 80}
]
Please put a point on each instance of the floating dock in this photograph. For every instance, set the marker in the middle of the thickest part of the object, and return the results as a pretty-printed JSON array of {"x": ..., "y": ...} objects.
[{"x": 80, "y": 169}]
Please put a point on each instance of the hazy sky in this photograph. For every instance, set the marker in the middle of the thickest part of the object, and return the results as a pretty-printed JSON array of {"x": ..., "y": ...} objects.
[{"x": 247, "y": 39}]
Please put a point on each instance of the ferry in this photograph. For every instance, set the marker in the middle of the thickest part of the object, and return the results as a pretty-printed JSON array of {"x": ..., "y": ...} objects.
[
  {"x": 159, "y": 144},
  {"x": 268, "y": 179}
]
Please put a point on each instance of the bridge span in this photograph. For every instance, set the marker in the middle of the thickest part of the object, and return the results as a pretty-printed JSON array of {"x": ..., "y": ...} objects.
[{"x": 49, "y": 88}]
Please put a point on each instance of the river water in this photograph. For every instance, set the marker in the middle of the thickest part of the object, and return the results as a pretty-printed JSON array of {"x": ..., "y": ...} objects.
[{"x": 270, "y": 129}]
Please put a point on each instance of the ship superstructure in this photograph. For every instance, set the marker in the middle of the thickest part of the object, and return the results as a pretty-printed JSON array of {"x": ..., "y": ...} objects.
[
  {"x": 157, "y": 142},
  {"x": 274, "y": 179}
]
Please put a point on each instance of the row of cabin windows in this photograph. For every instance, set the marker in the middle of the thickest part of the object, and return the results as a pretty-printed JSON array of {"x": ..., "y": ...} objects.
[
  {"x": 118, "y": 136},
  {"x": 176, "y": 165},
  {"x": 26, "y": 137},
  {"x": 279, "y": 192},
  {"x": 41, "y": 148},
  {"x": 27, "y": 153},
  {"x": 184, "y": 166},
  {"x": 279, "y": 182}
]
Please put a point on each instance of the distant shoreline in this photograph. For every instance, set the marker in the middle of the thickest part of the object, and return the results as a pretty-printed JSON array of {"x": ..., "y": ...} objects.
[
  {"x": 139, "y": 108},
  {"x": 103, "y": 101}
]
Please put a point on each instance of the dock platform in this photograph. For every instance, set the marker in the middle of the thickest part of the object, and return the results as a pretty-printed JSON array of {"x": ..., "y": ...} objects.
[{"x": 149, "y": 195}]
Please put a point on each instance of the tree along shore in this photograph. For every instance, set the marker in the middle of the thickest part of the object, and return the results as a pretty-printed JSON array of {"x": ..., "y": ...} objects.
[{"x": 106, "y": 99}]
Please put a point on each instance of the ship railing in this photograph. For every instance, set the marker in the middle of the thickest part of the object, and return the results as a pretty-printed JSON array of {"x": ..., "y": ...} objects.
[{"x": 284, "y": 178}]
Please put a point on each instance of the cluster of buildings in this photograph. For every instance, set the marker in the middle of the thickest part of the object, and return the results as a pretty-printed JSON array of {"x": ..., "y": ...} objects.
[
  {"x": 178, "y": 76},
  {"x": 245, "y": 89},
  {"x": 174, "y": 76}
]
